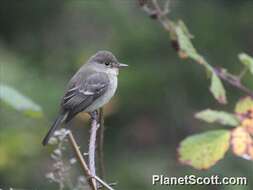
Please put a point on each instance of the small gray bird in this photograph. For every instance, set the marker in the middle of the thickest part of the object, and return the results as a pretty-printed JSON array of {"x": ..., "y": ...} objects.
[{"x": 90, "y": 88}]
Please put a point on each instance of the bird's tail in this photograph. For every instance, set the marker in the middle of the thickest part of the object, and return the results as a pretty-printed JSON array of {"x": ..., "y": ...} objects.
[{"x": 58, "y": 121}]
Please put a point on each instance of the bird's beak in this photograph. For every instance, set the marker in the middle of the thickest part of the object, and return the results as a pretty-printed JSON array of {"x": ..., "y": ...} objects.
[{"x": 122, "y": 65}]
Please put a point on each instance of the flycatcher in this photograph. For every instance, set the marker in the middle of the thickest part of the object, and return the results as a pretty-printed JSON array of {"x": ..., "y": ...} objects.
[{"x": 90, "y": 88}]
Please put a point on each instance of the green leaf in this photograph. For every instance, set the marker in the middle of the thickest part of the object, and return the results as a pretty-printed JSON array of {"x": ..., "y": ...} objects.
[
  {"x": 187, "y": 50},
  {"x": 202, "y": 151},
  {"x": 16, "y": 100},
  {"x": 247, "y": 61},
  {"x": 185, "y": 44},
  {"x": 221, "y": 117},
  {"x": 244, "y": 105},
  {"x": 217, "y": 89}
]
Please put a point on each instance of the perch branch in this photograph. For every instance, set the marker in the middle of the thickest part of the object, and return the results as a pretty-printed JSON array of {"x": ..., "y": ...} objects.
[
  {"x": 103, "y": 183},
  {"x": 92, "y": 144},
  {"x": 100, "y": 144},
  {"x": 85, "y": 168},
  {"x": 82, "y": 161}
]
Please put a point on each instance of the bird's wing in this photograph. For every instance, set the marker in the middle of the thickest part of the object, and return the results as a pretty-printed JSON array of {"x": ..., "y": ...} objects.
[{"x": 82, "y": 93}]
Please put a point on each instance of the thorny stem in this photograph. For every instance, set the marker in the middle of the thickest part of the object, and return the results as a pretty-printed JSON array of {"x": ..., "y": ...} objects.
[
  {"x": 92, "y": 144},
  {"x": 85, "y": 168},
  {"x": 161, "y": 15},
  {"x": 100, "y": 143}
]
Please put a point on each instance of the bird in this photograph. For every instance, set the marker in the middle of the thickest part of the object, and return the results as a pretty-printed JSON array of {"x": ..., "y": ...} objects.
[{"x": 91, "y": 87}]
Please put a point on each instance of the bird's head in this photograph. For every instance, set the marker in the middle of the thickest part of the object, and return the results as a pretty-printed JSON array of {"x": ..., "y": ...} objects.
[{"x": 106, "y": 61}]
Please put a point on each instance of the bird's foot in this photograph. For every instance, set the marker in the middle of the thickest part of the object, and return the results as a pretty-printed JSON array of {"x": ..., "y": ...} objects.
[{"x": 94, "y": 115}]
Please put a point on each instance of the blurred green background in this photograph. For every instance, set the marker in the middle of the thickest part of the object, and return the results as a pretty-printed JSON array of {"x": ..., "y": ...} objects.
[{"x": 43, "y": 43}]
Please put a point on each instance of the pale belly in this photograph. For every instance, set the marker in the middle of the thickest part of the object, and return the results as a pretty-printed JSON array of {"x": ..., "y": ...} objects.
[{"x": 105, "y": 98}]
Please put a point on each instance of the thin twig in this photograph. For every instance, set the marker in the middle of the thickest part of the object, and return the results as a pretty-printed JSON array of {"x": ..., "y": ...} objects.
[
  {"x": 242, "y": 73},
  {"x": 103, "y": 183},
  {"x": 92, "y": 145},
  {"x": 166, "y": 9},
  {"x": 232, "y": 80},
  {"x": 157, "y": 8},
  {"x": 79, "y": 156},
  {"x": 85, "y": 168},
  {"x": 100, "y": 143}
]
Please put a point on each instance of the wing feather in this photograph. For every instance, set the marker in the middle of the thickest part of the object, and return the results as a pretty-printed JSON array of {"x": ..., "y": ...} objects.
[{"x": 82, "y": 93}]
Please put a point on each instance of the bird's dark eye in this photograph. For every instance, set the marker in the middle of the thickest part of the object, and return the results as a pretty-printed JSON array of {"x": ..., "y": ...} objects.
[{"x": 107, "y": 63}]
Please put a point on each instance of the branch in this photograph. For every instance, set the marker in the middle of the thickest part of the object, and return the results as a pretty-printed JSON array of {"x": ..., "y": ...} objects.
[
  {"x": 92, "y": 144},
  {"x": 154, "y": 10},
  {"x": 103, "y": 183},
  {"x": 85, "y": 168},
  {"x": 242, "y": 73},
  {"x": 157, "y": 13},
  {"x": 232, "y": 80},
  {"x": 100, "y": 143}
]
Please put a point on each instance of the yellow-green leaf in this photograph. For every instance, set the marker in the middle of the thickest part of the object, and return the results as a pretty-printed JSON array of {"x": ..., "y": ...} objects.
[
  {"x": 247, "y": 61},
  {"x": 243, "y": 105},
  {"x": 18, "y": 101},
  {"x": 217, "y": 89},
  {"x": 202, "y": 151},
  {"x": 185, "y": 44},
  {"x": 221, "y": 117}
]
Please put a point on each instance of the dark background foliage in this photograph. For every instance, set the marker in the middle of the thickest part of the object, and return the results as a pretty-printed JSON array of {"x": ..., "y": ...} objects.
[{"x": 43, "y": 42}]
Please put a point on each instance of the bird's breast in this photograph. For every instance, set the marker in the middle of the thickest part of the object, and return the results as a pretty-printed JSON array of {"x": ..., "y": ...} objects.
[
  {"x": 105, "y": 98},
  {"x": 111, "y": 88}
]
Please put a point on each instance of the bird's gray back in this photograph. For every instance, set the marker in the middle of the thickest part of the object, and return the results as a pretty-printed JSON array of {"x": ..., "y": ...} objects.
[{"x": 84, "y": 88}]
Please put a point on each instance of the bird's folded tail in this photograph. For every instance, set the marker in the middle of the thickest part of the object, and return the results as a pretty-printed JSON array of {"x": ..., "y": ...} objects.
[{"x": 58, "y": 121}]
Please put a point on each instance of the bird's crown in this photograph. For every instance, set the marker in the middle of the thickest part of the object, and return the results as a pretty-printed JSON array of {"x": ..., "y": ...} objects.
[{"x": 103, "y": 57}]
